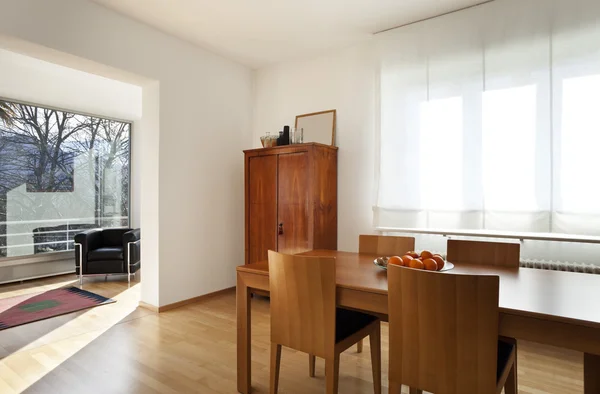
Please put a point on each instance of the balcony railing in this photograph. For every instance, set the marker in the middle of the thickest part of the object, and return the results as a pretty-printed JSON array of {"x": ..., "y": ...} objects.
[{"x": 48, "y": 238}]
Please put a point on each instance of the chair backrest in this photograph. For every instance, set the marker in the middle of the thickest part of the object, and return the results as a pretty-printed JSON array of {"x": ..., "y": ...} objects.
[
  {"x": 303, "y": 303},
  {"x": 500, "y": 254},
  {"x": 113, "y": 236},
  {"x": 384, "y": 245},
  {"x": 443, "y": 331}
]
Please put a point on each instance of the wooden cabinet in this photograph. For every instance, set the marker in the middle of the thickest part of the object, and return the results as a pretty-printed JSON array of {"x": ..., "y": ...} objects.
[{"x": 291, "y": 199}]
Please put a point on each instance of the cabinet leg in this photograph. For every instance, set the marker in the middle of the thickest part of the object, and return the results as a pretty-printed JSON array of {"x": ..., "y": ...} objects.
[{"x": 591, "y": 373}]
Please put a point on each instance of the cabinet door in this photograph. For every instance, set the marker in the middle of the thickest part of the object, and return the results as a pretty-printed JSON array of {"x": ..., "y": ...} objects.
[
  {"x": 292, "y": 213},
  {"x": 262, "y": 207}
]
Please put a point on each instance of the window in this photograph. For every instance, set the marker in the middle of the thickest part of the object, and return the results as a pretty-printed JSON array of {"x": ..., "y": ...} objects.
[
  {"x": 441, "y": 132},
  {"x": 60, "y": 173},
  {"x": 579, "y": 143},
  {"x": 509, "y": 146},
  {"x": 485, "y": 127}
]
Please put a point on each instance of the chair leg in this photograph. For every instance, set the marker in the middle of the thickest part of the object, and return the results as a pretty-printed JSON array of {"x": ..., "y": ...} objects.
[
  {"x": 80, "y": 248},
  {"x": 275, "y": 362},
  {"x": 332, "y": 374},
  {"x": 359, "y": 346},
  {"x": 510, "y": 387},
  {"x": 311, "y": 365},
  {"x": 511, "y": 384},
  {"x": 375, "y": 341}
]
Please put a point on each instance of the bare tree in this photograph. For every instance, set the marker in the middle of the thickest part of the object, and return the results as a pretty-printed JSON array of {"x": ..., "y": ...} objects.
[{"x": 5, "y": 112}]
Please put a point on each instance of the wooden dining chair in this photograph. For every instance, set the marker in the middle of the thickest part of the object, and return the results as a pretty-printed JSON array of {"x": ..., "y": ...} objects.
[
  {"x": 444, "y": 334},
  {"x": 500, "y": 254},
  {"x": 304, "y": 317},
  {"x": 383, "y": 245}
]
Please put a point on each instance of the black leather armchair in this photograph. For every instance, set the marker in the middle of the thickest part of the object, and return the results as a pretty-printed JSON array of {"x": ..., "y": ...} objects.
[{"x": 106, "y": 252}]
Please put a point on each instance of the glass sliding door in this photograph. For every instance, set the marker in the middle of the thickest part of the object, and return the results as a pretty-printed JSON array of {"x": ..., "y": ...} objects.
[{"x": 60, "y": 173}]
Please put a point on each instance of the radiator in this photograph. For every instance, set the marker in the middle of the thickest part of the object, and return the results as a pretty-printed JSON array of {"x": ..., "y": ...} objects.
[
  {"x": 554, "y": 265},
  {"x": 561, "y": 266}
]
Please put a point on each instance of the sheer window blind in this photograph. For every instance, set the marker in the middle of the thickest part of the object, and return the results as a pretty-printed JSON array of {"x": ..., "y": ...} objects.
[{"x": 490, "y": 119}]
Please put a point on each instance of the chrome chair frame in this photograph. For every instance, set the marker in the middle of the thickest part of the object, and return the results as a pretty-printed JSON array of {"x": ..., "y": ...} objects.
[{"x": 129, "y": 258}]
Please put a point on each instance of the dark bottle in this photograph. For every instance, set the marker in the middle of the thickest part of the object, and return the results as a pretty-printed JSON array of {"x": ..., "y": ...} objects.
[{"x": 286, "y": 135}]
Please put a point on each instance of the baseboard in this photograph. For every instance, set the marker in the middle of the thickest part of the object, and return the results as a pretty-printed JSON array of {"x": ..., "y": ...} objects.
[
  {"x": 148, "y": 306},
  {"x": 179, "y": 304}
]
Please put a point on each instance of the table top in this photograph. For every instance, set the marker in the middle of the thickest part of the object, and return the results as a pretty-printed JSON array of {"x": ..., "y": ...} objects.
[{"x": 568, "y": 297}]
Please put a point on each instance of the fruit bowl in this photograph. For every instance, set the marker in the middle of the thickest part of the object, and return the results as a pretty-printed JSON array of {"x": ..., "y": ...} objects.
[{"x": 381, "y": 262}]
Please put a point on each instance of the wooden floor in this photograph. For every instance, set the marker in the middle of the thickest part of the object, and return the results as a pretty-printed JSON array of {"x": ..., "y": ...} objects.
[{"x": 120, "y": 348}]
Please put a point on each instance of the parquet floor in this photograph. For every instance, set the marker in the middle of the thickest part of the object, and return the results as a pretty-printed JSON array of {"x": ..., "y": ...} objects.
[{"x": 121, "y": 348}]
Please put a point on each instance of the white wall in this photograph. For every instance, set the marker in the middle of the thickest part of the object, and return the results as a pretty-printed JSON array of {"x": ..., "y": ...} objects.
[
  {"x": 36, "y": 81},
  {"x": 345, "y": 81},
  {"x": 195, "y": 122}
]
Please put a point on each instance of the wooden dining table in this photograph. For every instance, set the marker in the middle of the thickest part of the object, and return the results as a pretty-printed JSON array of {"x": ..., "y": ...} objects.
[{"x": 550, "y": 307}]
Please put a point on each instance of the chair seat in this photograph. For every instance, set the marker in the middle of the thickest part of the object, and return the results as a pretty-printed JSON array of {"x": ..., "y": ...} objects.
[
  {"x": 348, "y": 322},
  {"x": 106, "y": 267},
  {"x": 504, "y": 352},
  {"x": 105, "y": 253}
]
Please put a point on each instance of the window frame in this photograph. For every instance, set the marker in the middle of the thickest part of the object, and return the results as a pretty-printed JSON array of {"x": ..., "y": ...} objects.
[{"x": 68, "y": 254}]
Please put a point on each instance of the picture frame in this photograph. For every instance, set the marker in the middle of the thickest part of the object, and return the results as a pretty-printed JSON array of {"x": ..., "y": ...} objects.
[{"x": 318, "y": 126}]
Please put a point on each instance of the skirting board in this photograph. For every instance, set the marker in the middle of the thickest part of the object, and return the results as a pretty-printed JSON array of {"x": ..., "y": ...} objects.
[
  {"x": 148, "y": 306},
  {"x": 168, "y": 307}
]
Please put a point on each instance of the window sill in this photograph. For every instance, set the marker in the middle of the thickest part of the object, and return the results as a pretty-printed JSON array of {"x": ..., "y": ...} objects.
[{"x": 496, "y": 234}]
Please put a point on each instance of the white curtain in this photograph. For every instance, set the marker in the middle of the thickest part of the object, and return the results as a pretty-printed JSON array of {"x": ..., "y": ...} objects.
[{"x": 490, "y": 119}]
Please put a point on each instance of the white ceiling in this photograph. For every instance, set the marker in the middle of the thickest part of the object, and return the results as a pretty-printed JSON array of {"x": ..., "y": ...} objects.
[{"x": 260, "y": 32}]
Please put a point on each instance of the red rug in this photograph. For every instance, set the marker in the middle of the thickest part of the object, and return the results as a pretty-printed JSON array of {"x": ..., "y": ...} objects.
[{"x": 28, "y": 308}]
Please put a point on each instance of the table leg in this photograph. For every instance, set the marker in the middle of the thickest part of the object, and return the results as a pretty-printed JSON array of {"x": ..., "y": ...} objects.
[
  {"x": 591, "y": 373},
  {"x": 244, "y": 357}
]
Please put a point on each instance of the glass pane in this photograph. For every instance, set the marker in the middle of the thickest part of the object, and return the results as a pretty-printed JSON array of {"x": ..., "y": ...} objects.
[
  {"x": 509, "y": 143},
  {"x": 579, "y": 142},
  {"x": 60, "y": 173},
  {"x": 441, "y": 154}
]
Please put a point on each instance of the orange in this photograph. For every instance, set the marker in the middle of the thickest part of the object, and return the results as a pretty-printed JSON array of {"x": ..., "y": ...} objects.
[
  {"x": 395, "y": 260},
  {"x": 406, "y": 260},
  {"x": 439, "y": 260},
  {"x": 416, "y": 263},
  {"x": 430, "y": 265},
  {"x": 426, "y": 254},
  {"x": 412, "y": 254}
]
